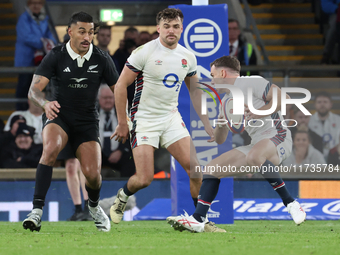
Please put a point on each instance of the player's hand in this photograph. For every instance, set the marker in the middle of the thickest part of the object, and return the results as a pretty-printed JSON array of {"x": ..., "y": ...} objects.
[
  {"x": 210, "y": 131},
  {"x": 121, "y": 133},
  {"x": 248, "y": 115},
  {"x": 115, "y": 156},
  {"x": 52, "y": 109}
]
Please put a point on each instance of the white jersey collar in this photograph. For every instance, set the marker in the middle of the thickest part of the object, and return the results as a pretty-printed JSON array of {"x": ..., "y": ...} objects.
[{"x": 74, "y": 55}]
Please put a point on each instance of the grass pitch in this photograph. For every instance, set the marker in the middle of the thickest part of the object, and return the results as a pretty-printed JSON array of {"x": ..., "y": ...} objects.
[{"x": 157, "y": 237}]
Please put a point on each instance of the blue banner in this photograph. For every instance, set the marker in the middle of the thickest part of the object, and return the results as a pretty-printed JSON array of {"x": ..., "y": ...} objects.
[
  {"x": 205, "y": 33},
  {"x": 274, "y": 209},
  {"x": 16, "y": 198}
]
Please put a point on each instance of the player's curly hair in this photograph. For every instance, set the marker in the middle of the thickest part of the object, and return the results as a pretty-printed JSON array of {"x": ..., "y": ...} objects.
[
  {"x": 169, "y": 14},
  {"x": 83, "y": 17},
  {"x": 227, "y": 61}
]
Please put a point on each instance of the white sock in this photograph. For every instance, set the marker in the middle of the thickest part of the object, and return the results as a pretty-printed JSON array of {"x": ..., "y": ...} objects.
[{"x": 123, "y": 196}]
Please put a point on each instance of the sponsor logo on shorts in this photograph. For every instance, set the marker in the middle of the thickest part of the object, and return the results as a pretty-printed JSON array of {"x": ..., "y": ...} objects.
[
  {"x": 183, "y": 124},
  {"x": 158, "y": 62},
  {"x": 144, "y": 138},
  {"x": 282, "y": 151}
]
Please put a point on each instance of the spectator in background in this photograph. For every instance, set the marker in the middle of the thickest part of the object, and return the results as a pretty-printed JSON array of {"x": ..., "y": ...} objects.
[
  {"x": 33, "y": 118},
  {"x": 303, "y": 152},
  {"x": 115, "y": 155},
  {"x": 334, "y": 155},
  {"x": 330, "y": 8},
  {"x": 8, "y": 136},
  {"x": 239, "y": 48},
  {"x": 154, "y": 35},
  {"x": 302, "y": 122},
  {"x": 34, "y": 38},
  {"x": 143, "y": 38},
  {"x": 131, "y": 33},
  {"x": 325, "y": 123},
  {"x": 126, "y": 46},
  {"x": 104, "y": 38},
  {"x": 22, "y": 152}
]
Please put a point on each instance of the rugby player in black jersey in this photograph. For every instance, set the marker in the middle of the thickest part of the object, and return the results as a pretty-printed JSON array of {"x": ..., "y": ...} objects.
[{"x": 75, "y": 70}]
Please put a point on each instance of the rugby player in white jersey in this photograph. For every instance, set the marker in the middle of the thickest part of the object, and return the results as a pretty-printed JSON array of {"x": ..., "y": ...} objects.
[
  {"x": 159, "y": 67},
  {"x": 270, "y": 145}
]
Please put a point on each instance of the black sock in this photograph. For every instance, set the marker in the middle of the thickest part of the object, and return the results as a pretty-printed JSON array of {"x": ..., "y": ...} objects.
[
  {"x": 78, "y": 208},
  {"x": 276, "y": 182},
  {"x": 94, "y": 195},
  {"x": 207, "y": 194},
  {"x": 127, "y": 191},
  {"x": 43, "y": 180},
  {"x": 86, "y": 203},
  {"x": 195, "y": 199}
]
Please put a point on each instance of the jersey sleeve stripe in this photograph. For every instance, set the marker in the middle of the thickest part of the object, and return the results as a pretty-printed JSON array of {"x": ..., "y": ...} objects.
[
  {"x": 132, "y": 68},
  {"x": 191, "y": 74},
  {"x": 137, "y": 96},
  {"x": 266, "y": 90}
]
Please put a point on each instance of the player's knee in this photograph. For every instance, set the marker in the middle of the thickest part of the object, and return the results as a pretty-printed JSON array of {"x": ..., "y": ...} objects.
[
  {"x": 144, "y": 182},
  {"x": 71, "y": 167},
  {"x": 49, "y": 155},
  {"x": 90, "y": 173},
  {"x": 253, "y": 159}
]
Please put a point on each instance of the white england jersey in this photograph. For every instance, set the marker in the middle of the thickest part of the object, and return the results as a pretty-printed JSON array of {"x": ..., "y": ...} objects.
[
  {"x": 161, "y": 72},
  {"x": 328, "y": 130},
  {"x": 268, "y": 124}
]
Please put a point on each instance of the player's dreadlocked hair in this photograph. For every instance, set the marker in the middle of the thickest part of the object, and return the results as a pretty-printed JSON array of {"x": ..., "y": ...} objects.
[
  {"x": 227, "y": 61},
  {"x": 82, "y": 17},
  {"x": 169, "y": 14}
]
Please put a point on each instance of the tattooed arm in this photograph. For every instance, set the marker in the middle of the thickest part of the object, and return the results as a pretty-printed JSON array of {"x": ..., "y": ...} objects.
[{"x": 36, "y": 95}]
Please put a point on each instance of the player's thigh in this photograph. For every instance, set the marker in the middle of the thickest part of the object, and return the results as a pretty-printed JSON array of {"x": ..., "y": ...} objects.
[
  {"x": 264, "y": 149},
  {"x": 227, "y": 164},
  {"x": 89, "y": 156},
  {"x": 143, "y": 156},
  {"x": 174, "y": 130},
  {"x": 54, "y": 139}
]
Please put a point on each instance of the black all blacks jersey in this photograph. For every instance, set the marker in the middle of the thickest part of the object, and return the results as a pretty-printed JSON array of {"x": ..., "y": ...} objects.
[{"x": 76, "y": 88}]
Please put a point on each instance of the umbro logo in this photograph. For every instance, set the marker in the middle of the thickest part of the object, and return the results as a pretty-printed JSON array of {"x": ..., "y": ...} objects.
[
  {"x": 67, "y": 70},
  {"x": 90, "y": 70},
  {"x": 78, "y": 80}
]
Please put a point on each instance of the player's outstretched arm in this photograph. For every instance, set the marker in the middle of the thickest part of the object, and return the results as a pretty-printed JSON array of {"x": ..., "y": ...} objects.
[
  {"x": 196, "y": 97},
  {"x": 36, "y": 95},
  {"x": 126, "y": 78}
]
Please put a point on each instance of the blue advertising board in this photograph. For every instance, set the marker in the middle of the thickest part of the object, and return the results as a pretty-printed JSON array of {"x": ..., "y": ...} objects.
[
  {"x": 205, "y": 33},
  {"x": 16, "y": 198},
  {"x": 273, "y": 209}
]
